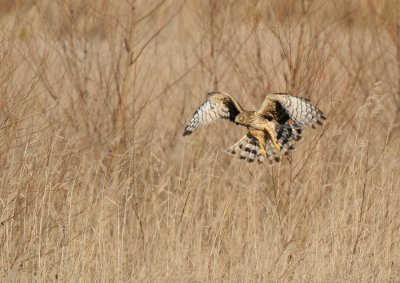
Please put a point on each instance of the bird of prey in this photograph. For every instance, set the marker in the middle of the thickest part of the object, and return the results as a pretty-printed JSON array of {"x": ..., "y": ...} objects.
[{"x": 272, "y": 130}]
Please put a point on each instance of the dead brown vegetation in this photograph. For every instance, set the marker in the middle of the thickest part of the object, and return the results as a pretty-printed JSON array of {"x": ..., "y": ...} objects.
[{"x": 97, "y": 183}]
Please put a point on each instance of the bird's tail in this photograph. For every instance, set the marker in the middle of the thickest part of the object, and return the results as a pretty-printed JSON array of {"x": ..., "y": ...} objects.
[
  {"x": 248, "y": 148},
  {"x": 288, "y": 135}
]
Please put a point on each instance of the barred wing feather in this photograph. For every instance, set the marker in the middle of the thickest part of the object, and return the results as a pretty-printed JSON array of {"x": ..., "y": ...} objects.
[
  {"x": 299, "y": 109},
  {"x": 217, "y": 106}
]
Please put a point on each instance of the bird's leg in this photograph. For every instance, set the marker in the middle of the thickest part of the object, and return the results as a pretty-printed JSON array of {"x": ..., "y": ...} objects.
[
  {"x": 260, "y": 136},
  {"x": 270, "y": 131}
]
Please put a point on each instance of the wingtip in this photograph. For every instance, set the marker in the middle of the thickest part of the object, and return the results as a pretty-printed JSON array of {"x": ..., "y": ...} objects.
[
  {"x": 186, "y": 133},
  {"x": 212, "y": 93},
  {"x": 230, "y": 151}
]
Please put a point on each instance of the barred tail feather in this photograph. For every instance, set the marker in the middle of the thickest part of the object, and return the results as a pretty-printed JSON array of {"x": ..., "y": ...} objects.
[
  {"x": 288, "y": 135},
  {"x": 272, "y": 154},
  {"x": 249, "y": 150},
  {"x": 246, "y": 149}
]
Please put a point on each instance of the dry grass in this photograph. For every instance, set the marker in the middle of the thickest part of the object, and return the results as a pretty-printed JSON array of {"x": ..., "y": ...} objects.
[{"x": 98, "y": 184}]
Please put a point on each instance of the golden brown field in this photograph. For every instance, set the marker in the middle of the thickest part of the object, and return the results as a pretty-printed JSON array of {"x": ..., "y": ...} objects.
[{"x": 98, "y": 184}]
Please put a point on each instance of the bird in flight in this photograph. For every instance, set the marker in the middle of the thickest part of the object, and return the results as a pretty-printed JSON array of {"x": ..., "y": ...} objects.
[{"x": 272, "y": 130}]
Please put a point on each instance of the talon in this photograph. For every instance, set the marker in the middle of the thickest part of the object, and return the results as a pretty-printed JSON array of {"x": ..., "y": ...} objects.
[
  {"x": 263, "y": 152},
  {"x": 277, "y": 145}
]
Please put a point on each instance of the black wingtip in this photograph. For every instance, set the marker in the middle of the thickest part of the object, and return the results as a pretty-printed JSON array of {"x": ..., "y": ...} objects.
[
  {"x": 186, "y": 133},
  {"x": 211, "y": 93}
]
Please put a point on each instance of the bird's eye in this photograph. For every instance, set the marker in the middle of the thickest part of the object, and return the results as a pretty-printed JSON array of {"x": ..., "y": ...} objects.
[{"x": 270, "y": 118}]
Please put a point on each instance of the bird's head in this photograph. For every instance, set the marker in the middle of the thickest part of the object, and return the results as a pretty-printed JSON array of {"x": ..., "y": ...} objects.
[{"x": 243, "y": 118}]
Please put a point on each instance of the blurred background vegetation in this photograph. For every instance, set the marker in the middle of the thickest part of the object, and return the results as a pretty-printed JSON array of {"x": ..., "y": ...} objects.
[{"x": 98, "y": 184}]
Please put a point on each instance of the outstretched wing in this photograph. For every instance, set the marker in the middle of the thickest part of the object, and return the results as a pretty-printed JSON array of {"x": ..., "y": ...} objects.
[
  {"x": 219, "y": 105},
  {"x": 285, "y": 107},
  {"x": 248, "y": 148}
]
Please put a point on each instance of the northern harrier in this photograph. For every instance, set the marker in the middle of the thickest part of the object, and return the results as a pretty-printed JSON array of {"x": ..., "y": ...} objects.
[{"x": 272, "y": 130}]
